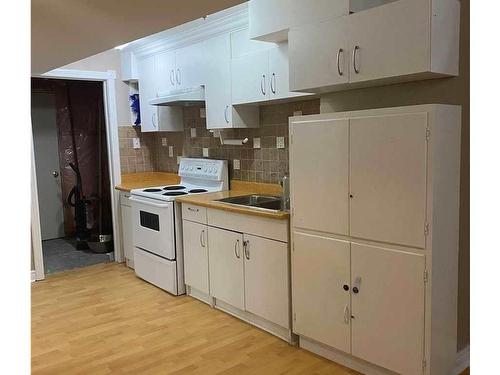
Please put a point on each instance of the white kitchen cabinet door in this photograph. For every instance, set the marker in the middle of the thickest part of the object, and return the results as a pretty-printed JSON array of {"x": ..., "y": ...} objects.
[
  {"x": 190, "y": 67},
  {"x": 391, "y": 40},
  {"x": 319, "y": 55},
  {"x": 165, "y": 72},
  {"x": 225, "y": 249},
  {"x": 319, "y": 192},
  {"x": 388, "y": 160},
  {"x": 388, "y": 309},
  {"x": 320, "y": 275},
  {"x": 250, "y": 78},
  {"x": 195, "y": 237},
  {"x": 128, "y": 244},
  {"x": 148, "y": 91},
  {"x": 266, "y": 279}
]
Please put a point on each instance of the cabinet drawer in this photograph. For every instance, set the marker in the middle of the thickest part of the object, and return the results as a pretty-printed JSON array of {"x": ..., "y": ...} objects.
[
  {"x": 194, "y": 213},
  {"x": 124, "y": 198}
]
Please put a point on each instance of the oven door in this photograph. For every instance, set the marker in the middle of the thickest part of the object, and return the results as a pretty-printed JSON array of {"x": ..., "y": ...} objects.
[{"x": 153, "y": 226}]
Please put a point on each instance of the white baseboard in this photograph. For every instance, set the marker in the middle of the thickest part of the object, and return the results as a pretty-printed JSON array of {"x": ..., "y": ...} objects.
[
  {"x": 33, "y": 276},
  {"x": 462, "y": 361}
]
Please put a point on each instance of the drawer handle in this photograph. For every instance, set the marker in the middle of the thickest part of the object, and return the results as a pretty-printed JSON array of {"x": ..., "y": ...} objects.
[
  {"x": 236, "y": 248},
  {"x": 202, "y": 237},
  {"x": 354, "y": 59},
  {"x": 193, "y": 209},
  {"x": 246, "y": 249},
  {"x": 126, "y": 196}
]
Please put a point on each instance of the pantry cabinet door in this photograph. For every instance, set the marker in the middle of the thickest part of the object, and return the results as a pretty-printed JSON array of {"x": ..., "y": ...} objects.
[
  {"x": 313, "y": 50},
  {"x": 319, "y": 175},
  {"x": 321, "y": 305},
  {"x": 393, "y": 40},
  {"x": 225, "y": 249},
  {"x": 388, "y": 309},
  {"x": 266, "y": 279},
  {"x": 195, "y": 237},
  {"x": 250, "y": 78},
  {"x": 148, "y": 91},
  {"x": 388, "y": 157}
]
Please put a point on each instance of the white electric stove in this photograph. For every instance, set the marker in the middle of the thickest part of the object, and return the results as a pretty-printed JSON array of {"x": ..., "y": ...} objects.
[{"x": 157, "y": 221}]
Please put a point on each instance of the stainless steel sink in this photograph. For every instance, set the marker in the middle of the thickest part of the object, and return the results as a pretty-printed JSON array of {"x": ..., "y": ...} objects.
[{"x": 264, "y": 202}]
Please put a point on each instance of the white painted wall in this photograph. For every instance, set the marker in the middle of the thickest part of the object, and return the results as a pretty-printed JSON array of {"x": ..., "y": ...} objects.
[{"x": 109, "y": 60}]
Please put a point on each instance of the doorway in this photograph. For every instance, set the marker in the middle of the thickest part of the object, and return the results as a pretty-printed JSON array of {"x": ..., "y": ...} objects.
[{"x": 73, "y": 179}]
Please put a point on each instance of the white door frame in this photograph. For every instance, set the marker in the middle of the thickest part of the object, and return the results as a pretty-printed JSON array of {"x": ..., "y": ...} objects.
[{"x": 108, "y": 78}]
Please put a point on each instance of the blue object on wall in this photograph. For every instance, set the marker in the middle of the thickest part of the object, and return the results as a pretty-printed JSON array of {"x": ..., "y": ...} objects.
[{"x": 134, "y": 99}]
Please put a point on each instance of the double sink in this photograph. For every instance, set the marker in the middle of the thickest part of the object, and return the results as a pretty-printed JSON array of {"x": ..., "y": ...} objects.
[{"x": 261, "y": 202}]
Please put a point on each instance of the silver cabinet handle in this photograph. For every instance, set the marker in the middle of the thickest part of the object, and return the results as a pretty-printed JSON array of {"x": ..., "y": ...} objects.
[
  {"x": 263, "y": 84},
  {"x": 236, "y": 248},
  {"x": 193, "y": 209},
  {"x": 172, "y": 77},
  {"x": 346, "y": 314},
  {"x": 55, "y": 174},
  {"x": 202, "y": 237},
  {"x": 339, "y": 52},
  {"x": 153, "y": 119},
  {"x": 273, "y": 87},
  {"x": 178, "y": 76},
  {"x": 355, "y": 59},
  {"x": 246, "y": 249},
  {"x": 225, "y": 114}
]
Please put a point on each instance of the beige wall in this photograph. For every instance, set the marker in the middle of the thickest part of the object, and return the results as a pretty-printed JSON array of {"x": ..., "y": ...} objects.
[
  {"x": 445, "y": 91},
  {"x": 109, "y": 60}
]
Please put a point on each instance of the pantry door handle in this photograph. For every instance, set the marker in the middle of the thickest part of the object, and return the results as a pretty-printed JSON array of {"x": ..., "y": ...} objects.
[
  {"x": 202, "y": 236},
  {"x": 346, "y": 314},
  {"x": 225, "y": 114},
  {"x": 339, "y": 52},
  {"x": 246, "y": 250},
  {"x": 237, "y": 246},
  {"x": 263, "y": 84},
  {"x": 354, "y": 59}
]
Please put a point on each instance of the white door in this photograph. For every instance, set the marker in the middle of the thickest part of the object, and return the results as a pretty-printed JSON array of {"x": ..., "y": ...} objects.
[
  {"x": 320, "y": 277},
  {"x": 217, "y": 52},
  {"x": 279, "y": 87},
  {"x": 43, "y": 117},
  {"x": 147, "y": 91},
  {"x": 388, "y": 309},
  {"x": 266, "y": 279},
  {"x": 392, "y": 40},
  {"x": 319, "y": 175},
  {"x": 250, "y": 78},
  {"x": 165, "y": 72},
  {"x": 190, "y": 66},
  {"x": 195, "y": 237},
  {"x": 225, "y": 249},
  {"x": 318, "y": 55},
  {"x": 388, "y": 156}
]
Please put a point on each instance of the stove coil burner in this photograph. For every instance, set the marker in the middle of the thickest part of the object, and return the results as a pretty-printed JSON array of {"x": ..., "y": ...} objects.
[
  {"x": 174, "y": 193},
  {"x": 174, "y": 187},
  {"x": 197, "y": 191},
  {"x": 151, "y": 190}
]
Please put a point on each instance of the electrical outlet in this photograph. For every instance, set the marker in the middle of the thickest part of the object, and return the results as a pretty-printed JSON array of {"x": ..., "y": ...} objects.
[
  {"x": 280, "y": 142},
  {"x": 136, "y": 142},
  {"x": 297, "y": 113},
  {"x": 205, "y": 152},
  {"x": 171, "y": 151},
  {"x": 256, "y": 143},
  {"x": 164, "y": 141},
  {"x": 203, "y": 112},
  {"x": 193, "y": 132},
  {"x": 236, "y": 164}
]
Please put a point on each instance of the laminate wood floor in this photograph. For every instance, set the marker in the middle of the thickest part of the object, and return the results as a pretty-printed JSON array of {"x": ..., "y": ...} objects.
[{"x": 102, "y": 319}]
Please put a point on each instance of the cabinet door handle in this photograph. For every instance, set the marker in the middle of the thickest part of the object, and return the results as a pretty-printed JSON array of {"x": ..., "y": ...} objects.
[
  {"x": 273, "y": 83},
  {"x": 225, "y": 114},
  {"x": 202, "y": 238},
  {"x": 178, "y": 77},
  {"x": 236, "y": 248},
  {"x": 263, "y": 84},
  {"x": 346, "y": 314},
  {"x": 193, "y": 209},
  {"x": 172, "y": 77},
  {"x": 246, "y": 249},
  {"x": 153, "y": 119},
  {"x": 339, "y": 52},
  {"x": 357, "y": 285},
  {"x": 355, "y": 59}
]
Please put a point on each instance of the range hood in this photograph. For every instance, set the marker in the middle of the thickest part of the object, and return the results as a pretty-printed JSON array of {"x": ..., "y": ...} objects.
[{"x": 183, "y": 97}]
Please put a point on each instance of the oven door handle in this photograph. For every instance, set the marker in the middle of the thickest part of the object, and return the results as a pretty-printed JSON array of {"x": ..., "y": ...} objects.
[{"x": 159, "y": 205}]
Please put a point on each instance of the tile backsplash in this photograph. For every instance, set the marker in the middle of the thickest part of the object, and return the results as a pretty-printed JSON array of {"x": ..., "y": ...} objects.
[{"x": 265, "y": 164}]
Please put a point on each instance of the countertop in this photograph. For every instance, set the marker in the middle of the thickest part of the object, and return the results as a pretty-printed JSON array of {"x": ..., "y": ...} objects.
[
  {"x": 147, "y": 179},
  {"x": 238, "y": 188}
]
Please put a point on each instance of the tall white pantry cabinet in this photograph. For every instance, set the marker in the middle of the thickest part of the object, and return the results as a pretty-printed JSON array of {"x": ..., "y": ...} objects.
[{"x": 375, "y": 230}]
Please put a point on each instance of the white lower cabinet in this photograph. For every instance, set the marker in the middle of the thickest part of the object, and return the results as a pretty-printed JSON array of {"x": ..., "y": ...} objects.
[
  {"x": 126, "y": 219},
  {"x": 195, "y": 237}
]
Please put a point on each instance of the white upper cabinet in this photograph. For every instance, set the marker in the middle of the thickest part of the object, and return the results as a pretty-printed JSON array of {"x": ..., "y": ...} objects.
[
  {"x": 165, "y": 72},
  {"x": 270, "y": 20},
  {"x": 129, "y": 70},
  {"x": 154, "y": 118},
  {"x": 250, "y": 78},
  {"x": 402, "y": 41},
  {"x": 189, "y": 66}
]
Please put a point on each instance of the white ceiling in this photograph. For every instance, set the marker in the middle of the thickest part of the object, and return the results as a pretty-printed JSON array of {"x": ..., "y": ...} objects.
[{"x": 64, "y": 31}]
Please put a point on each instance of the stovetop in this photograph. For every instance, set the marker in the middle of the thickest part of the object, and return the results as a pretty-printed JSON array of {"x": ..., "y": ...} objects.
[{"x": 169, "y": 192}]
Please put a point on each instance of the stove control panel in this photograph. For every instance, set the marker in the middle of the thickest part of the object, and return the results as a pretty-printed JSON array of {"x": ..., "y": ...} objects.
[{"x": 207, "y": 169}]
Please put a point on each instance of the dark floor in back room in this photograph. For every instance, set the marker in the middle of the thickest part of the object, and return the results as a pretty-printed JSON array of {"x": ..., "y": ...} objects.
[{"x": 60, "y": 254}]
